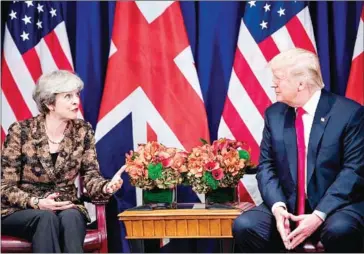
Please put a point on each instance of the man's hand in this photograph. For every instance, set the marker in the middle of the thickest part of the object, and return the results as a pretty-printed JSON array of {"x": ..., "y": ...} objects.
[
  {"x": 308, "y": 223},
  {"x": 282, "y": 219},
  {"x": 49, "y": 203}
]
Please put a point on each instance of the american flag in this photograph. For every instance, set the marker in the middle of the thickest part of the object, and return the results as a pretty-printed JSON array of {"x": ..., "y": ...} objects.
[
  {"x": 266, "y": 29},
  {"x": 35, "y": 42}
]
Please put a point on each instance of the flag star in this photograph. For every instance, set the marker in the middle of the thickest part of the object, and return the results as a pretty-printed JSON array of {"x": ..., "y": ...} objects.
[
  {"x": 26, "y": 19},
  {"x": 281, "y": 11},
  {"x": 266, "y": 7},
  {"x": 264, "y": 24},
  {"x": 40, "y": 8},
  {"x": 29, "y": 3},
  {"x": 13, "y": 15},
  {"x": 252, "y": 3},
  {"x": 53, "y": 12},
  {"x": 39, "y": 24},
  {"x": 25, "y": 36}
]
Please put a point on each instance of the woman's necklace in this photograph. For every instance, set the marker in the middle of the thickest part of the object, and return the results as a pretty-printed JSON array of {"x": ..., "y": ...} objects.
[{"x": 50, "y": 140}]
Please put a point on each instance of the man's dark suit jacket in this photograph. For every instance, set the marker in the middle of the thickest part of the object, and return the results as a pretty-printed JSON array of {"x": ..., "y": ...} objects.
[{"x": 335, "y": 156}]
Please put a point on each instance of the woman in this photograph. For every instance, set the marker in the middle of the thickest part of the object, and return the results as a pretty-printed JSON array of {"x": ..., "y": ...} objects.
[{"x": 41, "y": 159}]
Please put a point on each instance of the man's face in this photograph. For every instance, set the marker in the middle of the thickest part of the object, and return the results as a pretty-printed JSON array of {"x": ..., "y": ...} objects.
[{"x": 285, "y": 87}]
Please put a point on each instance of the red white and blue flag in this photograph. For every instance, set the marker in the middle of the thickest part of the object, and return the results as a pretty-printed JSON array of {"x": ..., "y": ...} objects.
[{"x": 355, "y": 88}]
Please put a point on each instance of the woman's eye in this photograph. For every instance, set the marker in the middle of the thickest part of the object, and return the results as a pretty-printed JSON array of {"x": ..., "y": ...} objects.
[{"x": 67, "y": 96}]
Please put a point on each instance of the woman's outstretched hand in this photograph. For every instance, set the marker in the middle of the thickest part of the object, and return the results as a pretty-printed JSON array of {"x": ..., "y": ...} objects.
[{"x": 116, "y": 182}]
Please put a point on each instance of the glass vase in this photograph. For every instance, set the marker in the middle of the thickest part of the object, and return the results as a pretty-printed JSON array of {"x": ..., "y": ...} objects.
[
  {"x": 159, "y": 197},
  {"x": 221, "y": 196}
]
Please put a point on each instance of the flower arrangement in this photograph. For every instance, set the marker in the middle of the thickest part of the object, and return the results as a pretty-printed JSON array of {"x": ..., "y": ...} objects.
[
  {"x": 154, "y": 165},
  {"x": 219, "y": 165}
]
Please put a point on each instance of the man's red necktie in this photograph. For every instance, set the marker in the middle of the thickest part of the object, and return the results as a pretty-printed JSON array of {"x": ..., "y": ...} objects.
[{"x": 301, "y": 156}]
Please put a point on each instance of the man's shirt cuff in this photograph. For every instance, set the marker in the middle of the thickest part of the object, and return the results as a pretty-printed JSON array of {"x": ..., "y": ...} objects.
[
  {"x": 320, "y": 214},
  {"x": 277, "y": 204}
]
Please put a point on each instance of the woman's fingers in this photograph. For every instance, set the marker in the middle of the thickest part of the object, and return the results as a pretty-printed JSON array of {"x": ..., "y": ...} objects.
[
  {"x": 114, "y": 185},
  {"x": 64, "y": 207},
  {"x": 62, "y": 203},
  {"x": 53, "y": 195}
]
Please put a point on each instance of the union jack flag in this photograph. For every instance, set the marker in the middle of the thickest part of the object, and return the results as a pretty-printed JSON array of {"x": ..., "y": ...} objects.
[
  {"x": 151, "y": 90},
  {"x": 266, "y": 29}
]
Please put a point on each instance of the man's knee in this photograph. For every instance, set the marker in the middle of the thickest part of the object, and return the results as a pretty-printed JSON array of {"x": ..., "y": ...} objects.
[
  {"x": 338, "y": 230},
  {"x": 243, "y": 225}
]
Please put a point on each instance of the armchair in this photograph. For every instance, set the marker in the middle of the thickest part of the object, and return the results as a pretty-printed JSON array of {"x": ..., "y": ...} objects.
[{"x": 95, "y": 240}]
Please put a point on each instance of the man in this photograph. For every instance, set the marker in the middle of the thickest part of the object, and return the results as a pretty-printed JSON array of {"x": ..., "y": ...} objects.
[{"x": 311, "y": 168}]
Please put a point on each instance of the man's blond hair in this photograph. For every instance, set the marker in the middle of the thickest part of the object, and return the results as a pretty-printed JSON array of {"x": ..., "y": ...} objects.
[{"x": 299, "y": 63}]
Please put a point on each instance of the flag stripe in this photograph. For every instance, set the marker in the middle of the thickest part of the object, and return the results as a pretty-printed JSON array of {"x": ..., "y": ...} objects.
[
  {"x": 355, "y": 88},
  {"x": 16, "y": 65},
  {"x": 299, "y": 35},
  {"x": 32, "y": 62},
  {"x": 359, "y": 42},
  {"x": 62, "y": 36},
  {"x": 57, "y": 52},
  {"x": 250, "y": 83},
  {"x": 3, "y": 135},
  {"x": 256, "y": 60},
  {"x": 239, "y": 129},
  {"x": 151, "y": 135},
  {"x": 13, "y": 94},
  {"x": 46, "y": 60},
  {"x": 244, "y": 195},
  {"x": 305, "y": 19},
  {"x": 246, "y": 107},
  {"x": 269, "y": 48},
  {"x": 282, "y": 39},
  {"x": 7, "y": 113},
  {"x": 224, "y": 130},
  {"x": 185, "y": 63},
  {"x": 250, "y": 183}
]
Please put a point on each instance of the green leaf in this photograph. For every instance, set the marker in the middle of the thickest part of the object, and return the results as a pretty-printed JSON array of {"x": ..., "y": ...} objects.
[
  {"x": 210, "y": 180},
  {"x": 203, "y": 141},
  {"x": 155, "y": 171},
  {"x": 243, "y": 154}
]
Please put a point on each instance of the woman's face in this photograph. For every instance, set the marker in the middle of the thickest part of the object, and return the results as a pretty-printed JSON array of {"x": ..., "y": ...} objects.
[{"x": 66, "y": 105}]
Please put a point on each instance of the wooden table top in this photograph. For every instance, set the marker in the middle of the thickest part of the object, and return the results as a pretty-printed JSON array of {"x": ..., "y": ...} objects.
[
  {"x": 181, "y": 223},
  {"x": 179, "y": 213}
]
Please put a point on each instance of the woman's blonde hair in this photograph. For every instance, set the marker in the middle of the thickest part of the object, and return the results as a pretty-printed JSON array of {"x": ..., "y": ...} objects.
[
  {"x": 50, "y": 84},
  {"x": 300, "y": 64}
]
